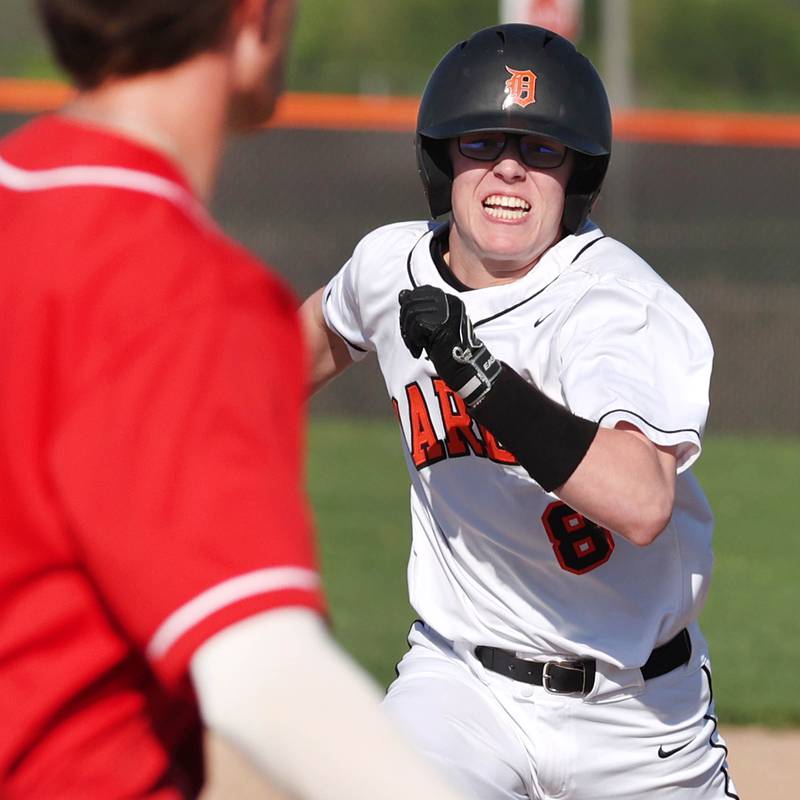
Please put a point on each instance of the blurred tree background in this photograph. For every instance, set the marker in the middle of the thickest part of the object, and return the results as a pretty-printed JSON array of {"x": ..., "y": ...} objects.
[{"x": 711, "y": 54}]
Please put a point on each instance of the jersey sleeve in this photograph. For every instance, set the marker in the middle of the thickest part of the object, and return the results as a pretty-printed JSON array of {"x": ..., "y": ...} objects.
[
  {"x": 638, "y": 353},
  {"x": 180, "y": 471},
  {"x": 341, "y": 306}
]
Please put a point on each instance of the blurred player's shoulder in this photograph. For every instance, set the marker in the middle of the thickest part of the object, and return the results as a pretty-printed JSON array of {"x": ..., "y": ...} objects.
[{"x": 122, "y": 228}]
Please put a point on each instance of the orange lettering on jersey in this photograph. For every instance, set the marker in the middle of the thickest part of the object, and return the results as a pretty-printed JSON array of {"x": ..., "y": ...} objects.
[
  {"x": 494, "y": 449},
  {"x": 460, "y": 437},
  {"x": 396, "y": 409},
  {"x": 520, "y": 88},
  {"x": 426, "y": 449}
]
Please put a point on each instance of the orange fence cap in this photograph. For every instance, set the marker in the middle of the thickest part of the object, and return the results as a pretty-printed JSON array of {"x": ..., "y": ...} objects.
[{"x": 373, "y": 112}]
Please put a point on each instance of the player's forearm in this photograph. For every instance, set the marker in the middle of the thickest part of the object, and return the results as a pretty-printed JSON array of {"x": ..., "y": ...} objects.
[
  {"x": 616, "y": 478},
  {"x": 624, "y": 483},
  {"x": 327, "y": 354},
  {"x": 288, "y": 699}
]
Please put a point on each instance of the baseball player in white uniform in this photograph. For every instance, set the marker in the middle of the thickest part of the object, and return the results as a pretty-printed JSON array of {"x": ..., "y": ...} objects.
[{"x": 552, "y": 392}]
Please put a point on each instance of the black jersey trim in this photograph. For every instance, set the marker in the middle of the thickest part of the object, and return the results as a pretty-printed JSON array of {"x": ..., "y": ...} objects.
[
  {"x": 647, "y": 421},
  {"x": 516, "y": 305},
  {"x": 437, "y": 248},
  {"x": 343, "y": 338},
  {"x": 349, "y": 343},
  {"x": 408, "y": 260},
  {"x": 586, "y": 247},
  {"x": 510, "y": 308}
]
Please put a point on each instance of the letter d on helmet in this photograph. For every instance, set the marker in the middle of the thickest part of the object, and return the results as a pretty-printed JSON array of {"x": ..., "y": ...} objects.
[{"x": 518, "y": 79}]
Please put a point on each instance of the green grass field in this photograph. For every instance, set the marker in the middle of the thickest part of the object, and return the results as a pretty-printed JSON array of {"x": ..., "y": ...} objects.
[{"x": 359, "y": 488}]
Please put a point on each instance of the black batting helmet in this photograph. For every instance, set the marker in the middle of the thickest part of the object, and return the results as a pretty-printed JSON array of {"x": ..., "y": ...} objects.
[{"x": 518, "y": 79}]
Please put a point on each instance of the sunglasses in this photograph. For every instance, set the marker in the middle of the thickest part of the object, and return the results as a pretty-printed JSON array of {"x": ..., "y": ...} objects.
[{"x": 533, "y": 150}]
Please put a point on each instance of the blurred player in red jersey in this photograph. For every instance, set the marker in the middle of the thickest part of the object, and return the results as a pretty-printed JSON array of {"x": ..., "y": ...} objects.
[{"x": 158, "y": 570}]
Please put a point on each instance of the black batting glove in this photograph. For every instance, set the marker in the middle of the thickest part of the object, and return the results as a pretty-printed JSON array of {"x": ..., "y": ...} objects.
[{"x": 436, "y": 322}]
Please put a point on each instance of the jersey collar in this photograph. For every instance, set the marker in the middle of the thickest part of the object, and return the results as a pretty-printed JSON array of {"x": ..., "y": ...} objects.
[{"x": 494, "y": 300}]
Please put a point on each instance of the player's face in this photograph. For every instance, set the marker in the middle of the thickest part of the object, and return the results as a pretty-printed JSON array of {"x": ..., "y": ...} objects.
[
  {"x": 505, "y": 212},
  {"x": 261, "y": 42}
]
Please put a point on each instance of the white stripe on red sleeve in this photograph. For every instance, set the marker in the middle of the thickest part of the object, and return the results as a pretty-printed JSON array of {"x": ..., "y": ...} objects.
[
  {"x": 262, "y": 581},
  {"x": 22, "y": 180}
]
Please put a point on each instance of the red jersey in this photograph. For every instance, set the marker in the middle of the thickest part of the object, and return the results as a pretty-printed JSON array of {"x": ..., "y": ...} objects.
[{"x": 151, "y": 397}]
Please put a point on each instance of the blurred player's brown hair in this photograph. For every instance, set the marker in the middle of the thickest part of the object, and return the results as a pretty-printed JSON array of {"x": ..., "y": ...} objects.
[{"x": 96, "y": 39}]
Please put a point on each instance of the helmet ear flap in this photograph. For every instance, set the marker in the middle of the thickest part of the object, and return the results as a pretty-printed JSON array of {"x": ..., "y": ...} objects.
[
  {"x": 436, "y": 172},
  {"x": 576, "y": 209},
  {"x": 582, "y": 189}
]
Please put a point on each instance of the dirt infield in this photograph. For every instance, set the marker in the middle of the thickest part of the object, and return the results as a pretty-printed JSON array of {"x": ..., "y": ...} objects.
[{"x": 764, "y": 764}]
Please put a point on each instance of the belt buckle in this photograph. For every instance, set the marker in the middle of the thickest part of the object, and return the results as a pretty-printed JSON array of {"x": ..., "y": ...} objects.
[{"x": 575, "y": 666}]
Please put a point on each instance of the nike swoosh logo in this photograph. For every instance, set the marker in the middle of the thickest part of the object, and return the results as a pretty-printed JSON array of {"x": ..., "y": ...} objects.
[
  {"x": 662, "y": 753},
  {"x": 542, "y": 319}
]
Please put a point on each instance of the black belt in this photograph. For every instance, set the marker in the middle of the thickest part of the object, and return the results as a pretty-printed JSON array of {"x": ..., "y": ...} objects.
[{"x": 577, "y": 677}]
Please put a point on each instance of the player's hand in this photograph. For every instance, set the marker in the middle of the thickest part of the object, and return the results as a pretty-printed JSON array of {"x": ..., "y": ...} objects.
[
  {"x": 437, "y": 322},
  {"x": 423, "y": 312}
]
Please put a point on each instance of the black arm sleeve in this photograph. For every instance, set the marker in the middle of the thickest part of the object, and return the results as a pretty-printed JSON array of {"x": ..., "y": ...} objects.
[{"x": 546, "y": 438}]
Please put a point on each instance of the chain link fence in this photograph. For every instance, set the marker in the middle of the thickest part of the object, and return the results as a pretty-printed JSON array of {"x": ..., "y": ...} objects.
[{"x": 718, "y": 223}]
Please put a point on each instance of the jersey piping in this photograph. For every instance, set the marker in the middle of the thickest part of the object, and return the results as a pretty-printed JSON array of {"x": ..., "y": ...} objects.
[
  {"x": 516, "y": 305},
  {"x": 224, "y": 594},
  {"x": 408, "y": 260},
  {"x": 21, "y": 180},
  {"x": 536, "y": 294},
  {"x": 586, "y": 247},
  {"x": 712, "y": 738},
  {"x": 647, "y": 422}
]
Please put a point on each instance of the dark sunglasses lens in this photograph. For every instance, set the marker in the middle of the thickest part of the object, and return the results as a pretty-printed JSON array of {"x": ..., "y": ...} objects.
[
  {"x": 482, "y": 148},
  {"x": 536, "y": 153}
]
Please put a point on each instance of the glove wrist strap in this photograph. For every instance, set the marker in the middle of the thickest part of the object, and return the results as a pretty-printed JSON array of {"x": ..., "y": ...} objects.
[{"x": 485, "y": 368}]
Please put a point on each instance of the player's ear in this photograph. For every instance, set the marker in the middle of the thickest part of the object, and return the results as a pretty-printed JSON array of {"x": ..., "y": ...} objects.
[{"x": 260, "y": 33}]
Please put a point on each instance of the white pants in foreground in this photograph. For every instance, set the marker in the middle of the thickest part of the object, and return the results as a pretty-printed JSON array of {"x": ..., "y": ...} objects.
[{"x": 500, "y": 739}]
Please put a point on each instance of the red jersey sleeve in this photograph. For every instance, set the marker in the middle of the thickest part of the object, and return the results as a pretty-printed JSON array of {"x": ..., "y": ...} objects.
[{"x": 180, "y": 471}]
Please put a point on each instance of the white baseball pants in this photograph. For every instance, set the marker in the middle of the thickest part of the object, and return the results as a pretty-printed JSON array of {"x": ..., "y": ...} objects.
[{"x": 499, "y": 739}]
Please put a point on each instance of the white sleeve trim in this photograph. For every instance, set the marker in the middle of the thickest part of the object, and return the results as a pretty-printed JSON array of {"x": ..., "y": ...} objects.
[
  {"x": 686, "y": 440},
  {"x": 23, "y": 180},
  {"x": 241, "y": 587}
]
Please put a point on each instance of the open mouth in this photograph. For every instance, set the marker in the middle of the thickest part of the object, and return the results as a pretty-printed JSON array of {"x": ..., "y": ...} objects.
[{"x": 502, "y": 206}]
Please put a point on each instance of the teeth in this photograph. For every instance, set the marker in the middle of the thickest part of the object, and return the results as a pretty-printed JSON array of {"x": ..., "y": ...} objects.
[
  {"x": 505, "y": 201},
  {"x": 505, "y": 213}
]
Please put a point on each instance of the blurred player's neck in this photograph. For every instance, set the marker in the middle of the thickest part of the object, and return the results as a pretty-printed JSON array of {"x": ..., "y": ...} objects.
[{"x": 181, "y": 112}]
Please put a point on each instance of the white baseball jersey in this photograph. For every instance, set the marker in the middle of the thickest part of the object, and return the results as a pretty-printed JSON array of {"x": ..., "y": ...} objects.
[{"x": 495, "y": 559}]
